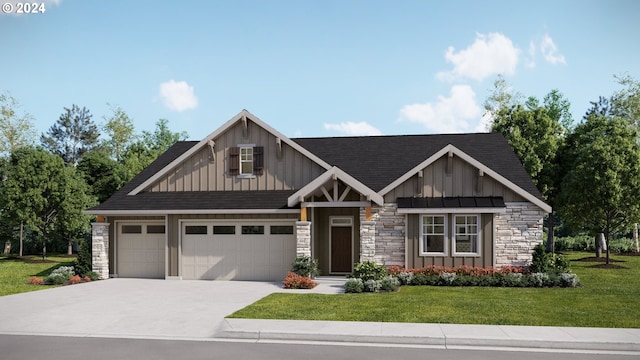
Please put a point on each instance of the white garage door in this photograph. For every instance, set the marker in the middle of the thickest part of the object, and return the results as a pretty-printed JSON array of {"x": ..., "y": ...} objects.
[
  {"x": 140, "y": 250},
  {"x": 258, "y": 250}
]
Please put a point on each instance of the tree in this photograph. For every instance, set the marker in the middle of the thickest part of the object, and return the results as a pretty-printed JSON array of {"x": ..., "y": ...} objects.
[
  {"x": 502, "y": 98},
  {"x": 120, "y": 130},
  {"x": 559, "y": 109},
  {"x": 601, "y": 189},
  {"x": 15, "y": 129},
  {"x": 43, "y": 193},
  {"x": 103, "y": 175},
  {"x": 143, "y": 152},
  {"x": 72, "y": 135}
]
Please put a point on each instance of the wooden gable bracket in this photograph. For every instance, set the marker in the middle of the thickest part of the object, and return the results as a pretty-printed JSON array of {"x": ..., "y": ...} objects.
[
  {"x": 449, "y": 167},
  {"x": 245, "y": 126},
  {"x": 479, "y": 181},
  {"x": 419, "y": 183},
  {"x": 278, "y": 148},
  {"x": 212, "y": 146}
]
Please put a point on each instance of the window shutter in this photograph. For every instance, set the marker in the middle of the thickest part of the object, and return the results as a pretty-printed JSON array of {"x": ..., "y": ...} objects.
[
  {"x": 258, "y": 160},
  {"x": 234, "y": 161}
]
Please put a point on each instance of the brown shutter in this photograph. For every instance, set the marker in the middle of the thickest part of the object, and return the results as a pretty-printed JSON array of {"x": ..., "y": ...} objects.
[
  {"x": 258, "y": 160},
  {"x": 234, "y": 161}
]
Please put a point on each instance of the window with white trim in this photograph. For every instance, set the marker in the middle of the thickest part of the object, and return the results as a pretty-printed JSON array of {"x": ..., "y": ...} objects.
[
  {"x": 433, "y": 234},
  {"x": 466, "y": 234},
  {"x": 246, "y": 160}
]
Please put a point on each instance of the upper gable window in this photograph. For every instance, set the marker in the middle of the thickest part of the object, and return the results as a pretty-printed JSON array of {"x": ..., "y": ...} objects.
[{"x": 246, "y": 160}]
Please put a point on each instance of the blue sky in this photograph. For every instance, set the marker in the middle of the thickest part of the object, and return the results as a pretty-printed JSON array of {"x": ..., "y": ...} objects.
[{"x": 312, "y": 68}]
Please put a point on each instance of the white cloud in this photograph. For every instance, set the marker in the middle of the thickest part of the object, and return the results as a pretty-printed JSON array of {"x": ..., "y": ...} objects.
[
  {"x": 178, "y": 95},
  {"x": 446, "y": 115},
  {"x": 489, "y": 55},
  {"x": 550, "y": 51},
  {"x": 361, "y": 128}
]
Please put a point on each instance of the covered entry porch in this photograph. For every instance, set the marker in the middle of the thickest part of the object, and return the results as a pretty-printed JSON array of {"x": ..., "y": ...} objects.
[{"x": 335, "y": 224}]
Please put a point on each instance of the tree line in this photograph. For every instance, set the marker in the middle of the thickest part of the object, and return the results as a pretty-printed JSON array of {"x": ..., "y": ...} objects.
[
  {"x": 46, "y": 185},
  {"x": 588, "y": 171}
]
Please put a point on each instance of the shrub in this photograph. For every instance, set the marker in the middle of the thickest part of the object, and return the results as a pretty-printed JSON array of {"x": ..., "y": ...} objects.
[
  {"x": 353, "y": 285},
  {"x": 539, "y": 279},
  {"x": 569, "y": 280},
  {"x": 389, "y": 283},
  {"x": 305, "y": 266},
  {"x": 60, "y": 275},
  {"x": 369, "y": 270},
  {"x": 92, "y": 275},
  {"x": 295, "y": 281},
  {"x": 372, "y": 285},
  {"x": 34, "y": 280},
  {"x": 82, "y": 264},
  {"x": 75, "y": 279},
  {"x": 86, "y": 279},
  {"x": 544, "y": 262},
  {"x": 405, "y": 278},
  {"x": 395, "y": 269},
  {"x": 447, "y": 278}
]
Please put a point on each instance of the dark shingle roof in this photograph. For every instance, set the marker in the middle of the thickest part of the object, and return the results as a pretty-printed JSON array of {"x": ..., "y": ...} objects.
[{"x": 377, "y": 161}]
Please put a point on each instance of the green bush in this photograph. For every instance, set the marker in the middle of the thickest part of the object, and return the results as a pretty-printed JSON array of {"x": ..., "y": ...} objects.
[
  {"x": 544, "y": 262},
  {"x": 305, "y": 266},
  {"x": 60, "y": 275},
  {"x": 369, "y": 270},
  {"x": 82, "y": 264},
  {"x": 587, "y": 243},
  {"x": 372, "y": 285},
  {"x": 353, "y": 285},
  {"x": 92, "y": 275},
  {"x": 389, "y": 283},
  {"x": 405, "y": 278}
]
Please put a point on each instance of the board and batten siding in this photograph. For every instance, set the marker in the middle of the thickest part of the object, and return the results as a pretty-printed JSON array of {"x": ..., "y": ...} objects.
[
  {"x": 461, "y": 180},
  {"x": 289, "y": 171},
  {"x": 413, "y": 249}
]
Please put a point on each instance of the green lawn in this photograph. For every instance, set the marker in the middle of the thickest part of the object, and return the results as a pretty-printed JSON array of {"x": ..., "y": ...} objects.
[
  {"x": 14, "y": 273},
  {"x": 608, "y": 298}
]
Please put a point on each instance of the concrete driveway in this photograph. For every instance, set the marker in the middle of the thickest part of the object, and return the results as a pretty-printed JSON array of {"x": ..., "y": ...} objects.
[{"x": 130, "y": 308}]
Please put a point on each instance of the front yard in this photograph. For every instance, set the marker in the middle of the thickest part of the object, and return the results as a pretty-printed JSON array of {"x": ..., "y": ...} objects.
[
  {"x": 15, "y": 272},
  {"x": 608, "y": 298}
]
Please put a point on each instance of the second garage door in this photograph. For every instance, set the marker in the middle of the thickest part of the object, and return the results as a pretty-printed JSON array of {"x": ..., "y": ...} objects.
[{"x": 258, "y": 250}]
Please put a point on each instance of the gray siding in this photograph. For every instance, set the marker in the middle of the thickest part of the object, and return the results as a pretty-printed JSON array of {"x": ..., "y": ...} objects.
[
  {"x": 416, "y": 261},
  {"x": 462, "y": 180},
  {"x": 291, "y": 170}
]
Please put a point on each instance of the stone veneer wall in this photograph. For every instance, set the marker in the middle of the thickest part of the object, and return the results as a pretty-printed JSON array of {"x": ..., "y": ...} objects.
[
  {"x": 100, "y": 249},
  {"x": 303, "y": 238},
  {"x": 518, "y": 231},
  {"x": 367, "y": 240},
  {"x": 389, "y": 234}
]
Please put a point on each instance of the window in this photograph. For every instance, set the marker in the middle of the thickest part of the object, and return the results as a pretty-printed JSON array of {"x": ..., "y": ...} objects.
[
  {"x": 246, "y": 160},
  {"x": 466, "y": 234},
  {"x": 155, "y": 229},
  {"x": 224, "y": 229},
  {"x": 132, "y": 229},
  {"x": 195, "y": 230},
  {"x": 433, "y": 235},
  {"x": 252, "y": 230},
  {"x": 281, "y": 229}
]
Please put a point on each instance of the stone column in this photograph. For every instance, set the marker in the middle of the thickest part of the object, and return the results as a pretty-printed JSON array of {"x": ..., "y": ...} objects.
[
  {"x": 367, "y": 240},
  {"x": 100, "y": 248},
  {"x": 303, "y": 238}
]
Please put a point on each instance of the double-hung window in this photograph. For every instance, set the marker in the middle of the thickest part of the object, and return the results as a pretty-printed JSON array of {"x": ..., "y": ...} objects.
[
  {"x": 246, "y": 160},
  {"x": 466, "y": 234},
  {"x": 434, "y": 235}
]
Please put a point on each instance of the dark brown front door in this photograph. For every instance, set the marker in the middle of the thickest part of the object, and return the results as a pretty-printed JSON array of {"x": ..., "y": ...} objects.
[{"x": 341, "y": 256}]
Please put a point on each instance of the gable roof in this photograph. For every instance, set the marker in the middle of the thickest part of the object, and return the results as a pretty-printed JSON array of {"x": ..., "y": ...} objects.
[
  {"x": 244, "y": 115},
  {"x": 378, "y": 161}
]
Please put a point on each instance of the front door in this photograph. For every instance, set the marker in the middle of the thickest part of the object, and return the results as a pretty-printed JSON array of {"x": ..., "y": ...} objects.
[{"x": 341, "y": 246}]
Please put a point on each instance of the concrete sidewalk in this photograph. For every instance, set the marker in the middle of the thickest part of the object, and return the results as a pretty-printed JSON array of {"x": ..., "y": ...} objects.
[{"x": 447, "y": 336}]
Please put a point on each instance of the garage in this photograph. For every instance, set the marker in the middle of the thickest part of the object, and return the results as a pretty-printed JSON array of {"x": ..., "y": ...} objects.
[
  {"x": 141, "y": 250},
  {"x": 247, "y": 250}
]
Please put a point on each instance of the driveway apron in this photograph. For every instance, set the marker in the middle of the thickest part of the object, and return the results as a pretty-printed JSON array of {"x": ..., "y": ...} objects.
[{"x": 130, "y": 308}]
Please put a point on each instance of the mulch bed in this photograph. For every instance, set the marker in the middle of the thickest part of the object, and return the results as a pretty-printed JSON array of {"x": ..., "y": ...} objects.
[
  {"x": 602, "y": 259},
  {"x": 597, "y": 259},
  {"x": 605, "y": 266}
]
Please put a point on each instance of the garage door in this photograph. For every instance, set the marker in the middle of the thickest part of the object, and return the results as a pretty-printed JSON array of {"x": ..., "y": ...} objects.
[
  {"x": 237, "y": 251},
  {"x": 140, "y": 250}
]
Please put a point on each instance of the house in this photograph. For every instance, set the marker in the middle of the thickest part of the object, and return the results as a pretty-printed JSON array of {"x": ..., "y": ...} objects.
[{"x": 244, "y": 201}]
